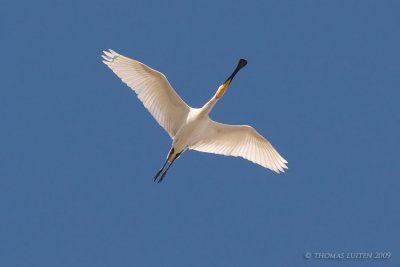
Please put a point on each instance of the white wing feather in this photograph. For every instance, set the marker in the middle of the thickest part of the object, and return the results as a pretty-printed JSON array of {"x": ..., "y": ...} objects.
[
  {"x": 240, "y": 141},
  {"x": 152, "y": 88}
]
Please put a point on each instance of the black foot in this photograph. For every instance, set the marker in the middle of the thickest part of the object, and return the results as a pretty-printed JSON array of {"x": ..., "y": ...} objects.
[
  {"x": 158, "y": 173},
  {"x": 162, "y": 177}
]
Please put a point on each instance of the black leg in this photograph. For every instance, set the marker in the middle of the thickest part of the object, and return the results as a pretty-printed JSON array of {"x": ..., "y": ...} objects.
[
  {"x": 165, "y": 172},
  {"x": 160, "y": 170}
]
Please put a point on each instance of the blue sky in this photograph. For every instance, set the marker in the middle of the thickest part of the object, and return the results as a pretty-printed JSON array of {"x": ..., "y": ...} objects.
[{"x": 78, "y": 150}]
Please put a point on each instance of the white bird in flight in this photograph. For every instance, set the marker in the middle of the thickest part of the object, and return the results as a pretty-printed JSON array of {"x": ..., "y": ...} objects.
[{"x": 192, "y": 128}]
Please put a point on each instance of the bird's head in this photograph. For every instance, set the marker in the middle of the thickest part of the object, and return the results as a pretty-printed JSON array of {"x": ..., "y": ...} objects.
[{"x": 221, "y": 90}]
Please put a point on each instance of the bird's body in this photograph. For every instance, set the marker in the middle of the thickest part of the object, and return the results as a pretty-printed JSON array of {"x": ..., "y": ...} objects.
[
  {"x": 191, "y": 131},
  {"x": 191, "y": 128}
]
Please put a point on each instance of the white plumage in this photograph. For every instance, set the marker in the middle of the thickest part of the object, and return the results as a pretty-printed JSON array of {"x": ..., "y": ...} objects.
[
  {"x": 152, "y": 88},
  {"x": 191, "y": 128}
]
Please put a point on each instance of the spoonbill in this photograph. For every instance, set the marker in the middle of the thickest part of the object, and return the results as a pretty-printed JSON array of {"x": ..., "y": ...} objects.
[{"x": 192, "y": 128}]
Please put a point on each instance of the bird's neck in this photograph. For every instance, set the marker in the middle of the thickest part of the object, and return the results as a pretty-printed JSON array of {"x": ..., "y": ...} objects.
[
  {"x": 206, "y": 109},
  {"x": 220, "y": 92}
]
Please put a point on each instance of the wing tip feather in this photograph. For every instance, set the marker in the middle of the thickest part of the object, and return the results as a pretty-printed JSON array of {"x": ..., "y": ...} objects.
[{"x": 110, "y": 55}]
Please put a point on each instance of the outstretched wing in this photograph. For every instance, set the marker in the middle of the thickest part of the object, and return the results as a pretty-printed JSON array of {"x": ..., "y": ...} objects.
[
  {"x": 240, "y": 141},
  {"x": 152, "y": 88}
]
